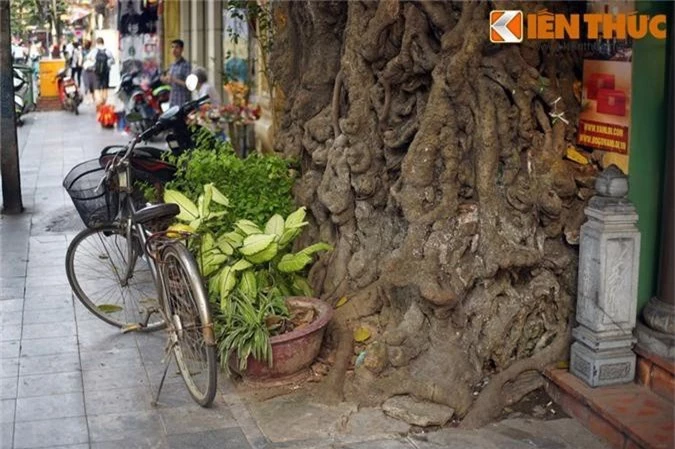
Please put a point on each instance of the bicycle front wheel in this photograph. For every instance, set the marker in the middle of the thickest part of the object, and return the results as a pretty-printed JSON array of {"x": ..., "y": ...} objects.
[
  {"x": 96, "y": 266},
  {"x": 190, "y": 323}
]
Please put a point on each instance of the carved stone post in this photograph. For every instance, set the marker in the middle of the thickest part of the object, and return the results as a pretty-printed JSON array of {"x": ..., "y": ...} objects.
[{"x": 607, "y": 290}]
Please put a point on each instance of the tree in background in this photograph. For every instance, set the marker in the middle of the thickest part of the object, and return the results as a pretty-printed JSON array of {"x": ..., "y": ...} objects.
[{"x": 38, "y": 13}]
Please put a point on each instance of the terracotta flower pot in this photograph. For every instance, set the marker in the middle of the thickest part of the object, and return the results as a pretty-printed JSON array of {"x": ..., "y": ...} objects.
[{"x": 292, "y": 351}]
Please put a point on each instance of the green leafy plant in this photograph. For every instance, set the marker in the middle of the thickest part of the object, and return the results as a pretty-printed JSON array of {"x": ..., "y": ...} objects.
[
  {"x": 249, "y": 269},
  {"x": 258, "y": 186}
]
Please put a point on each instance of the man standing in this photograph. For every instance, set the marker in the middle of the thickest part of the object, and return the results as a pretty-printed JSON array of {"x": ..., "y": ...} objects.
[{"x": 178, "y": 72}]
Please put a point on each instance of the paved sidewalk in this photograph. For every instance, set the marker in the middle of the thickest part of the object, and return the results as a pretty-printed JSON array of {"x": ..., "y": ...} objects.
[{"x": 70, "y": 381}]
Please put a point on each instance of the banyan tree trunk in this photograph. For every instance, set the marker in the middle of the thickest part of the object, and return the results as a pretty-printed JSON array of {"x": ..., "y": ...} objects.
[{"x": 434, "y": 161}]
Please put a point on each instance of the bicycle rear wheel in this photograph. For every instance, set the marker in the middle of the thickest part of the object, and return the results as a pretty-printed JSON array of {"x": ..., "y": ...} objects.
[
  {"x": 191, "y": 326},
  {"x": 96, "y": 263}
]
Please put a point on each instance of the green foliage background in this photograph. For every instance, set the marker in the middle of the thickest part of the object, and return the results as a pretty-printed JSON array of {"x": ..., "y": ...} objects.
[{"x": 258, "y": 186}]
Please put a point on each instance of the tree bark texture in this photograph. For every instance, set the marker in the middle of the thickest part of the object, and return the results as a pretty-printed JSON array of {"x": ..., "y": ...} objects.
[
  {"x": 9, "y": 153},
  {"x": 433, "y": 162}
]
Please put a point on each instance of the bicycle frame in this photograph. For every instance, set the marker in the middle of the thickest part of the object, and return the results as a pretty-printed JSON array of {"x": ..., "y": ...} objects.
[{"x": 127, "y": 210}]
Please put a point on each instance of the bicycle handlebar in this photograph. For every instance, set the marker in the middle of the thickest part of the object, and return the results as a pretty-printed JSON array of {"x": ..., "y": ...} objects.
[{"x": 184, "y": 110}]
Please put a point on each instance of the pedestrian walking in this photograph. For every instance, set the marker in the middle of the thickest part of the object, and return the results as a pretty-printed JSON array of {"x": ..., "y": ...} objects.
[
  {"x": 177, "y": 73},
  {"x": 102, "y": 59},
  {"x": 76, "y": 64},
  {"x": 88, "y": 75}
]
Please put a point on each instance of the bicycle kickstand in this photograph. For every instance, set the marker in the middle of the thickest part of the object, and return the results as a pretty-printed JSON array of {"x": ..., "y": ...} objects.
[{"x": 167, "y": 362}]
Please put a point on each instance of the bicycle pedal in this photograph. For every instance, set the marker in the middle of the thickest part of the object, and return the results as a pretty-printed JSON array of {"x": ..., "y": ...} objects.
[{"x": 131, "y": 328}]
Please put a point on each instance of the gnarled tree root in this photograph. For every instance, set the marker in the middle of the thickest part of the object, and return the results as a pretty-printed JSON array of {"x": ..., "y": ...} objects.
[{"x": 492, "y": 400}]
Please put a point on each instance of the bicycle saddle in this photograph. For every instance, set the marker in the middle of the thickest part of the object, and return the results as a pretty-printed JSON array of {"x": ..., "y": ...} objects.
[{"x": 155, "y": 212}]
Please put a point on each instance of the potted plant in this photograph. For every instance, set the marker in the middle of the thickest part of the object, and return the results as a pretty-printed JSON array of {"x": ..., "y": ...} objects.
[{"x": 267, "y": 322}]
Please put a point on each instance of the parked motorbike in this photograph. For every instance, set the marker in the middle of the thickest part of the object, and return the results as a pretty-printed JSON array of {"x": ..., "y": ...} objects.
[
  {"x": 149, "y": 163},
  {"x": 69, "y": 94},
  {"x": 20, "y": 91},
  {"x": 143, "y": 101}
]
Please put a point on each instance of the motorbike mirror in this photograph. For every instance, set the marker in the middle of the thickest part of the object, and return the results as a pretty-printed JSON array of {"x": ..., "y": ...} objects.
[{"x": 191, "y": 82}]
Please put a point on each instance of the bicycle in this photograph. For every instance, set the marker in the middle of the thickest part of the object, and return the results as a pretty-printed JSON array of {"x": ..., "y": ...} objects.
[{"x": 142, "y": 277}]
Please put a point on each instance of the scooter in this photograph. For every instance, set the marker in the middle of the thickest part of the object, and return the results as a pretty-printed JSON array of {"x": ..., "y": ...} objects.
[
  {"x": 69, "y": 94},
  {"x": 149, "y": 163},
  {"x": 20, "y": 88},
  {"x": 143, "y": 101}
]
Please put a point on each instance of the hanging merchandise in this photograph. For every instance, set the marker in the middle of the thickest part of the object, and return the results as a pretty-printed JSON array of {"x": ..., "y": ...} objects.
[{"x": 137, "y": 24}]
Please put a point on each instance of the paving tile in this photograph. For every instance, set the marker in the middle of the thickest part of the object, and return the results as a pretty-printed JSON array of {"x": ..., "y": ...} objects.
[
  {"x": 48, "y": 346},
  {"x": 222, "y": 439},
  {"x": 140, "y": 442},
  {"x": 12, "y": 282},
  {"x": 125, "y": 425},
  {"x": 576, "y": 435},
  {"x": 110, "y": 359},
  {"x": 13, "y": 266},
  {"x": 9, "y": 349},
  {"x": 9, "y": 368},
  {"x": 106, "y": 402},
  {"x": 6, "y": 434},
  {"x": 44, "y": 316},
  {"x": 110, "y": 379},
  {"x": 12, "y": 318},
  {"x": 105, "y": 340},
  {"x": 47, "y": 302},
  {"x": 11, "y": 292},
  {"x": 193, "y": 418},
  {"x": 174, "y": 393},
  {"x": 46, "y": 364},
  {"x": 50, "y": 290},
  {"x": 10, "y": 332},
  {"x": 49, "y": 433},
  {"x": 57, "y": 280},
  {"x": 7, "y": 412},
  {"x": 48, "y": 384},
  {"x": 55, "y": 406},
  {"x": 11, "y": 305},
  {"x": 48, "y": 330},
  {"x": 8, "y": 387}
]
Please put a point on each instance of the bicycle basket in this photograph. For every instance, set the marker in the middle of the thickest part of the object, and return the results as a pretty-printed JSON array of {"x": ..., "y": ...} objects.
[{"x": 94, "y": 201}]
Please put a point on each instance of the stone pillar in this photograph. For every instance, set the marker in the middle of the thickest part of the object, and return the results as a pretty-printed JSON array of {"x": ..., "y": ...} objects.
[
  {"x": 214, "y": 44},
  {"x": 658, "y": 335},
  {"x": 609, "y": 253},
  {"x": 197, "y": 35}
]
